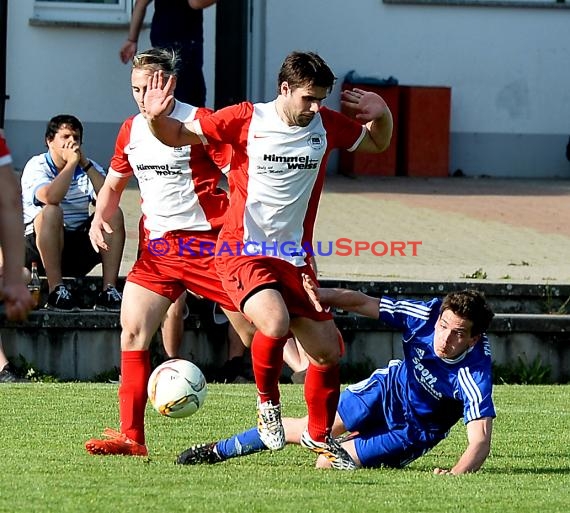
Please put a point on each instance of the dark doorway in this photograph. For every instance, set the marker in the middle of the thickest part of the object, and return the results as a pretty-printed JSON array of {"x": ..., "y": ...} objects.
[{"x": 231, "y": 52}]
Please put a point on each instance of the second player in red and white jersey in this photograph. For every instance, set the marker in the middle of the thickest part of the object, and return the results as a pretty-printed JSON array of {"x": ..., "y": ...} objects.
[
  {"x": 179, "y": 186},
  {"x": 277, "y": 176},
  {"x": 184, "y": 210}
]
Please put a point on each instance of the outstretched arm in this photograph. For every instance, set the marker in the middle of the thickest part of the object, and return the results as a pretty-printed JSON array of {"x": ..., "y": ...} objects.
[
  {"x": 157, "y": 100},
  {"x": 129, "y": 48},
  {"x": 349, "y": 300},
  {"x": 371, "y": 109},
  {"x": 478, "y": 448}
]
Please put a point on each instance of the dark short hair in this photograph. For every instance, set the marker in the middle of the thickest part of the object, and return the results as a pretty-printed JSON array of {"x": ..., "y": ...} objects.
[
  {"x": 469, "y": 304},
  {"x": 55, "y": 123},
  {"x": 305, "y": 69}
]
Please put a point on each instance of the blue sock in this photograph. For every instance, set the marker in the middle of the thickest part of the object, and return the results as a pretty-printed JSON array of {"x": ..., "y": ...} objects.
[{"x": 246, "y": 442}]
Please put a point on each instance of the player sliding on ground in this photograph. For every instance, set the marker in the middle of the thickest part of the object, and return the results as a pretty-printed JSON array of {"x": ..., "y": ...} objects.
[{"x": 402, "y": 411}]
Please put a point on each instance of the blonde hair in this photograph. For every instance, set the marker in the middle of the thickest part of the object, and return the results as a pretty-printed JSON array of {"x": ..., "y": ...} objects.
[{"x": 157, "y": 59}]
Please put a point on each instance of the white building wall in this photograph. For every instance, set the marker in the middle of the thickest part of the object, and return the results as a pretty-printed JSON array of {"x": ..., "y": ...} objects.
[
  {"x": 53, "y": 70},
  {"x": 507, "y": 67}
]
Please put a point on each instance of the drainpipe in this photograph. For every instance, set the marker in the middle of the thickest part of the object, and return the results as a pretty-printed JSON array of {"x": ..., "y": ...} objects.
[{"x": 3, "y": 44}]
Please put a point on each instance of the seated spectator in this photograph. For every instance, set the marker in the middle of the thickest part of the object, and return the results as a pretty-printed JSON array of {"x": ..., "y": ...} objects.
[{"x": 58, "y": 188}]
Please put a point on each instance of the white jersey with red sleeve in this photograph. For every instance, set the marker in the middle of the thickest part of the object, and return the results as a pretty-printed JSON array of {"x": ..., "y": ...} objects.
[
  {"x": 5, "y": 156},
  {"x": 179, "y": 186},
  {"x": 277, "y": 175}
]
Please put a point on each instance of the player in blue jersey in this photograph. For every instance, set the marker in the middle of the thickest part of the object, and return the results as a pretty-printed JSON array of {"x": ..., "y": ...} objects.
[{"x": 404, "y": 410}]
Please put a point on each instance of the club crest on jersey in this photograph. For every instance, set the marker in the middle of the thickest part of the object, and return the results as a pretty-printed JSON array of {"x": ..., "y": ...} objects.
[
  {"x": 316, "y": 141},
  {"x": 181, "y": 151}
]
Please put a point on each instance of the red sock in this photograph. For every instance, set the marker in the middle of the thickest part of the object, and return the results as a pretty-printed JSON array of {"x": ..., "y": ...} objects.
[
  {"x": 135, "y": 371},
  {"x": 267, "y": 362},
  {"x": 322, "y": 390}
]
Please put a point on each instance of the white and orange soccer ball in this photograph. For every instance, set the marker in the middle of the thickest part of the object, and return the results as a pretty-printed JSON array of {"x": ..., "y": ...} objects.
[{"x": 177, "y": 388}]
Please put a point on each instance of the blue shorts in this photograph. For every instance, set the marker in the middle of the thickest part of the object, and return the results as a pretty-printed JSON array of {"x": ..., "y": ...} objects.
[{"x": 385, "y": 437}]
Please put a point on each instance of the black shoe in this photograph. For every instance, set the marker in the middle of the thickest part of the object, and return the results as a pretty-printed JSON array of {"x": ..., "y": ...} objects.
[
  {"x": 61, "y": 300},
  {"x": 109, "y": 300},
  {"x": 203, "y": 453},
  {"x": 8, "y": 375}
]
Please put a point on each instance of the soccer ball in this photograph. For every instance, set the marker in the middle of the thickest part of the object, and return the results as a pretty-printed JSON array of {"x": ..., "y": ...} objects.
[{"x": 177, "y": 388}]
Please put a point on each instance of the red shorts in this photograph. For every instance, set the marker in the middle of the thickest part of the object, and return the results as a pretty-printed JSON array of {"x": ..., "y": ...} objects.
[
  {"x": 178, "y": 261},
  {"x": 243, "y": 275}
]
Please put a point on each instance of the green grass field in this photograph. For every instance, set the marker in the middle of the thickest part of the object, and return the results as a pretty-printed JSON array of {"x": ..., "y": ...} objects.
[{"x": 44, "y": 467}]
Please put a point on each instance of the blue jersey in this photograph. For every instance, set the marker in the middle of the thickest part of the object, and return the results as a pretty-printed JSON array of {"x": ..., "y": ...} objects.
[{"x": 431, "y": 392}]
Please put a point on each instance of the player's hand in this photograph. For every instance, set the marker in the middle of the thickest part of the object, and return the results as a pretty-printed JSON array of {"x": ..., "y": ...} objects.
[
  {"x": 17, "y": 301},
  {"x": 96, "y": 233},
  {"x": 366, "y": 104},
  {"x": 313, "y": 292},
  {"x": 158, "y": 95},
  {"x": 442, "y": 472}
]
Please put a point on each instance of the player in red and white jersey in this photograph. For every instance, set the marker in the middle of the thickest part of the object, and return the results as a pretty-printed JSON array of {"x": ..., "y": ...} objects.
[
  {"x": 183, "y": 211},
  {"x": 178, "y": 186},
  {"x": 278, "y": 169}
]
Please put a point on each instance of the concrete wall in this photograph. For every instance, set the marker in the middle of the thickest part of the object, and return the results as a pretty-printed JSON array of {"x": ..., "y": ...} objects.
[
  {"x": 81, "y": 353},
  {"x": 84, "y": 344}
]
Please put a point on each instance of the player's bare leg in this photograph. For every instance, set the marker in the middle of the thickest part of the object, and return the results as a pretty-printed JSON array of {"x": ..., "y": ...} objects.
[
  {"x": 172, "y": 328},
  {"x": 141, "y": 314}
]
